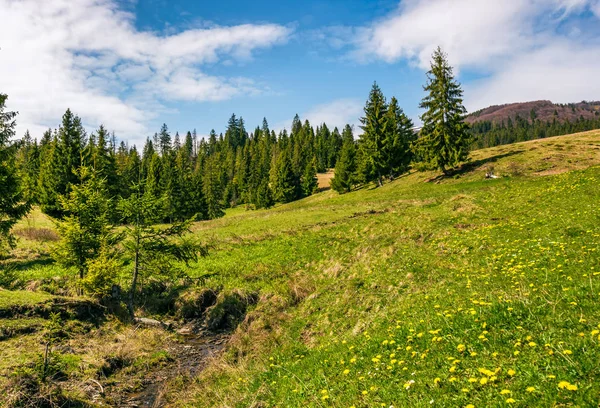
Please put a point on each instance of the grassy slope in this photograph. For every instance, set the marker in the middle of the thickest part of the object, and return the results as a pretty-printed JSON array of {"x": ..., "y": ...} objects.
[
  {"x": 474, "y": 289},
  {"x": 388, "y": 283}
]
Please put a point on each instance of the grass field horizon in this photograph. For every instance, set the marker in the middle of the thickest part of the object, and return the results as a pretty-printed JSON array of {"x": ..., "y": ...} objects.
[{"x": 428, "y": 291}]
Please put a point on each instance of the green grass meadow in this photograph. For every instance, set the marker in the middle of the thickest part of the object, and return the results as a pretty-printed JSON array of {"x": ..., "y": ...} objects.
[{"x": 426, "y": 292}]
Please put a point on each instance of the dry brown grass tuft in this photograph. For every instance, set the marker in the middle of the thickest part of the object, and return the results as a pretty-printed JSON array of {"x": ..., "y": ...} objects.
[{"x": 37, "y": 234}]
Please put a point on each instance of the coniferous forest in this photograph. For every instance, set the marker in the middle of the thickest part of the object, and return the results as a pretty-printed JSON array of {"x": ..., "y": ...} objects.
[
  {"x": 193, "y": 177},
  {"x": 490, "y": 134}
]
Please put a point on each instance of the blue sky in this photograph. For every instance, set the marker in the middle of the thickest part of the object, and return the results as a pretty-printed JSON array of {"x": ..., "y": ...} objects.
[{"x": 134, "y": 64}]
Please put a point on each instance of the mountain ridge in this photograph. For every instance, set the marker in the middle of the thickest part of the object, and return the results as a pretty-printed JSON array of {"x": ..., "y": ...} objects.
[{"x": 543, "y": 110}]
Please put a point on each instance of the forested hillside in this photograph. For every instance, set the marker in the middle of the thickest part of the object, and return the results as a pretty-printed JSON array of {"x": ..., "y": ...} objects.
[
  {"x": 193, "y": 177},
  {"x": 518, "y": 122}
]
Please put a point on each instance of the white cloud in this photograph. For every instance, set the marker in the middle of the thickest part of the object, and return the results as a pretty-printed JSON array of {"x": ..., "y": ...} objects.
[
  {"x": 516, "y": 45},
  {"x": 88, "y": 55},
  {"x": 561, "y": 71},
  {"x": 596, "y": 9},
  {"x": 336, "y": 113}
]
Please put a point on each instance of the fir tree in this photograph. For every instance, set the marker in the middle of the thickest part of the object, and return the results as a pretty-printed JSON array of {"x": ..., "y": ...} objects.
[
  {"x": 27, "y": 163},
  {"x": 58, "y": 170},
  {"x": 103, "y": 161},
  {"x": 285, "y": 183},
  {"x": 12, "y": 202},
  {"x": 86, "y": 226},
  {"x": 212, "y": 186},
  {"x": 164, "y": 140},
  {"x": 372, "y": 141},
  {"x": 310, "y": 184},
  {"x": 399, "y": 136},
  {"x": 153, "y": 179},
  {"x": 345, "y": 169},
  {"x": 48, "y": 182},
  {"x": 154, "y": 250},
  {"x": 444, "y": 139}
]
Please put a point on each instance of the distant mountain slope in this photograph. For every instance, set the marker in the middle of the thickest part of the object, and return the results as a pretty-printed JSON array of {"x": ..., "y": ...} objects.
[
  {"x": 518, "y": 122},
  {"x": 545, "y": 111}
]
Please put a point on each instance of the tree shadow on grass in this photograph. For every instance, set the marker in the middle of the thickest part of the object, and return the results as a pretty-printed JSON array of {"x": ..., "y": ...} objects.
[
  {"x": 472, "y": 165},
  {"x": 24, "y": 264}
]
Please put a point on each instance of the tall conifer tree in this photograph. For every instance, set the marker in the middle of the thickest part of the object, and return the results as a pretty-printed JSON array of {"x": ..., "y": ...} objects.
[
  {"x": 372, "y": 141},
  {"x": 12, "y": 202},
  {"x": 444, "y": 140},
  {"x": 345, "y": 169},
  {"x": 399, "y": 136}
]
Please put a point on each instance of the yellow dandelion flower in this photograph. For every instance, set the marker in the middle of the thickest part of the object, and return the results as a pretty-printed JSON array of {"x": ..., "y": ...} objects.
[
  {"x": 483, "y": 380},
  {"x": 510, "y": 401},
  {"x": 504, "y": 392},
  {"x": 568, "y": 352},
  {"x": 461, "y": 348},
  {"x": 530, "y": 389},
  {"x": 567, "y": 385},
  {"x": 365, "y": 392},
  {"x": 511, "y": 372},
  {"x": 346, "y": 372}
]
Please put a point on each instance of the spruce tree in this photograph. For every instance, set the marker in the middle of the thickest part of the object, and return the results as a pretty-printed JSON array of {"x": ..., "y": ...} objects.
[
  {"x": 48, "y": 182},
  {"x": 372, "y": 141},
  {"x": 58, "y": 171},
  {"x": 212, "y": 188},
  {"x": 444, "y": 140},
  {"x": 153, "y": 185},
  {"x": 310, "y": 184},
  {"x": 154, "y": 250},
  {"x": 86, "y": 227},
  {"x": 285, "y": 182},
  {"x": 27, "y": 164},
  {"x": 12, "y": 202},
  {"x": 398, "y": 139},
  {"x": 104, "y": 163},
  {"x": 164, "y": 140},
  {"x": 130, "y": 174},
  {"x": 345, "y": 169}
]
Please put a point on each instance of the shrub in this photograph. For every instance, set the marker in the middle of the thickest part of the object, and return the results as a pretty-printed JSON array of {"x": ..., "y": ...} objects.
[{"x": 102, "y": 274}]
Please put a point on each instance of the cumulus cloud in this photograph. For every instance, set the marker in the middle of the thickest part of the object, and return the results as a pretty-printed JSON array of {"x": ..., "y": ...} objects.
[
  {"x": 562, "y": 72},
  {"x": 517, "y": 46},
  {"x": 336, "y": 113},
  {"x": 89, "y": 56}
]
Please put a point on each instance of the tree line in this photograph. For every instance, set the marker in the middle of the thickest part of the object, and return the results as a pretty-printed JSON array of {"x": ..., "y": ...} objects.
[
  {"x": 194, "y": 178},
  {"x": 389, "y": 145}
]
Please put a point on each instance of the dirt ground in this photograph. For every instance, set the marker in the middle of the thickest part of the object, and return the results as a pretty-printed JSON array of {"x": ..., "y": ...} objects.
[{"x": 325, "y": 180}]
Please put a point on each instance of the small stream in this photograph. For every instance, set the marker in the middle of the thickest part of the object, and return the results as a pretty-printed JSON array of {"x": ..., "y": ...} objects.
[{"x": 190, "y": 357}]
